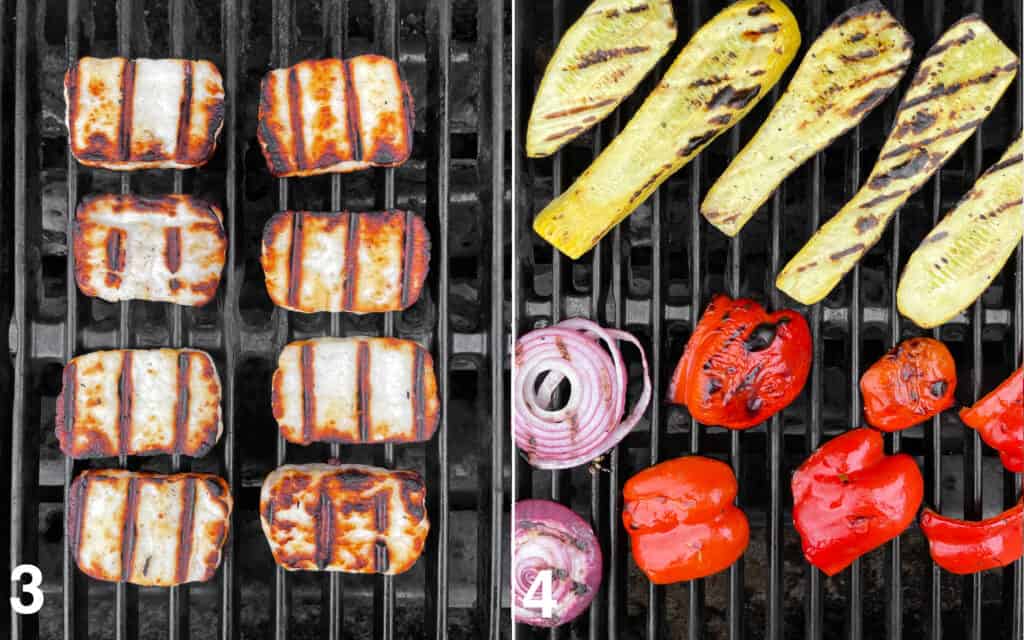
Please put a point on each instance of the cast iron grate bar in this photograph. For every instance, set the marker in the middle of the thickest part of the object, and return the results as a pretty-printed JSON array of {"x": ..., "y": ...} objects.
[
  {"x": 596, "y": 628},
  {"x": 1013, "y": 576},
  {"x": 735, "y": 614}
]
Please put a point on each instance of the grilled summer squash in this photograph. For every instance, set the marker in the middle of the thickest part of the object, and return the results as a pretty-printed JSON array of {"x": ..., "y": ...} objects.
[
  {"x": 848, "y": 71},
  {"x": 961, "y": 78},
  {"x": 725, "y": 69},
  {"x": 599, "y": 61},
  {"x": 968, "y": 248}
]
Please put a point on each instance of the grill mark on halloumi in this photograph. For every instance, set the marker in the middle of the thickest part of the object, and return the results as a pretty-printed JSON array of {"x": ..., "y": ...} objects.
[
  {"x": 355, "y": 262},
  {"x": 184, "y": 112},
  {"x": 143, "y": 402},
  {"x": 188, "y": 511},
  {"x": 363, "y": 390},
  {"x": 417, "y": 396},
  {"x": 128, "y": 530},
  {"x": 308, "y": 392},
  {"x": 352, "y": 108},
  {"x": 172, "y": 253},
  {"x": 325, "y": 531},
  {"x": 124, "y": 132},
  {"x": 381, "y": 558},
  {"x": 295, "y": 112}
]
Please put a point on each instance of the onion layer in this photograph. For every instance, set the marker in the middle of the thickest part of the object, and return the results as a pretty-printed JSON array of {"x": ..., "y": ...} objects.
[
  {"x": 591, "y": 421},
  {"x": 551, "y": 537}
]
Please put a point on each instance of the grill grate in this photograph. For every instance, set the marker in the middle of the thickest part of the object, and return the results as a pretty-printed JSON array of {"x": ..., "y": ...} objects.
[
  {"x": 455, "y": 179},
  {"x": 654, "y": 274}
]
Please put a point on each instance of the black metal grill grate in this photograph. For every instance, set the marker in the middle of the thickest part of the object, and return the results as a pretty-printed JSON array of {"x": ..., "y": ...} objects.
[
  {"x": 455, "y": 178},
  {"x": 654, "y": 274}
]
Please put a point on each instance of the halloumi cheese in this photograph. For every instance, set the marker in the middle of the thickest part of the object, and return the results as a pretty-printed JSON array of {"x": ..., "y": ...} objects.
[
  {"x": 126, "y": 114},
  {"x": 355, "y": 390},
  {"x": 148, "y": 529},
  {"x": 169, "y": 249},
  {"x": 335, "y": 116},
  {"x": 350, "y": 518},
  {"x": 355, "y": 262},
  {"x": 139, "y": 402}
]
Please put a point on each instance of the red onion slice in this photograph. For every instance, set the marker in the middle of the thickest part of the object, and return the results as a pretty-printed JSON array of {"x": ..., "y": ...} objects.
[
  {"x": 551, "y": 537},
  {"x": 591, "y": 421}
]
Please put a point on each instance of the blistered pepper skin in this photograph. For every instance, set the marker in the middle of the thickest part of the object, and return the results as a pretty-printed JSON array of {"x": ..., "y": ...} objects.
[
  {"x": 999, "y": 419},
  {"x": 908, "y": 385},
  {"x": 963, "y": 547},
  {"x": 849, "y": 498},
  {"x": 682, "y": 521},
  {"x": 742, "y": 364}
]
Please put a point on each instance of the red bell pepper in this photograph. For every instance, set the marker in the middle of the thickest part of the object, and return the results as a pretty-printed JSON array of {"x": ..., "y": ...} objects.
[
  {"x": 742, "y": 364},
  {"x": 849, "y": 498},
  {"x": 910, "y": 384},
  {"x": 682, "y": 521},
  {"x": 999, "y": 419},
  {"x": 965, "y": 547}
]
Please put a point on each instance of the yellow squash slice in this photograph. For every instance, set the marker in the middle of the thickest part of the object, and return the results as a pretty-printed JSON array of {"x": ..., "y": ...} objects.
[
  {"x": 959, "y": 81},
  {"x": 968, "y": 248},
  {"x": 599, "y": 61},
  {"x": 848, "y": 71},
  {"x": 725, "y": 69}
]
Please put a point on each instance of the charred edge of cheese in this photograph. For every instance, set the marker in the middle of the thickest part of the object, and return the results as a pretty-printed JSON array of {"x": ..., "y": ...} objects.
[
  {"x": 108, "y": 440},
  {"x": 288, "y": 160},
  {"x": 424, "y": 403},
  {"x": 189, "y": 540},
  {"x": 198, "y": 293},
  {"x": 116, "y": 151},
  {"x": 348, "y": 495},
  {"x": 282, "y": 259}
]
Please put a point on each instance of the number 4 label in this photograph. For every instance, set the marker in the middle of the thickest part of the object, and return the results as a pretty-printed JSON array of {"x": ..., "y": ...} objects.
[
  {"x": 545, "y": 603},
  {"x": 35, "y": 579}
]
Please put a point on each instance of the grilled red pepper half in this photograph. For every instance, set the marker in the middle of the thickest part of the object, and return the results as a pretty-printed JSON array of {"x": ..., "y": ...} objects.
[
  {"x": 962, "y": 547},
  {"x": 849, "y": 498},
  {"x": 999, "y": 419},
  {"x": 742, "y": 364},
  {"x": 682, "y": 521},
  {"x": 910, "y": 384}
]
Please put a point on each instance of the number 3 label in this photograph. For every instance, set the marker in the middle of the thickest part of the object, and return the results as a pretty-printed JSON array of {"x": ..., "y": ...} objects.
[
  {"x": 545, "y": 603},
  {"x": 35, "y": 579}
]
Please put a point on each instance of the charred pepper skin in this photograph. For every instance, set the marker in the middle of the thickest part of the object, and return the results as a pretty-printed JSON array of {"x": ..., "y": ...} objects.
[
  {"x": 963, "y": 547},
  {"x": 682, "y": 521},
  {"x": 742, "y": 365},
  {"x": 999, "y": 419},
  {"x": 908, "y": 385},
  {"x": 849, "y": 498}
]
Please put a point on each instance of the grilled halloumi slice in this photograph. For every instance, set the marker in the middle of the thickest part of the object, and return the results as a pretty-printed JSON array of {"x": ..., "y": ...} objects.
[
  {"x": 958, "y": 83},
  {"x": 599, "y": 61},
  {"x": 148, "y": 529},
  {"x": 143, "y": 114},
  {"x": 722, "y": 72},
  {"x": 335, "y": 116},
  {"x": 355, "y": 390},
  {"x": 348, "y": 517},
  {"x": 169, "y": 248},
  {"x": 355, "y": 262},
  {"x": 970, "y": 246},
  {"x": 139, "y": 402},
  {"x": 848, "y": 71}
]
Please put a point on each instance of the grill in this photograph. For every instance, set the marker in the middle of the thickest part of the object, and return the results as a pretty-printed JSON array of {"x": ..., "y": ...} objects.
[
  {"x": 654, "y": 274},
  {"x": 452, "y": 53}
]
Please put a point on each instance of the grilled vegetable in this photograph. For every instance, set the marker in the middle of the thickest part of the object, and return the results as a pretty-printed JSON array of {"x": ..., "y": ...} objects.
[
  {"x": 344, "y": 517},
  {"x": 682, "y": 521},
  {"x": 742, "y": 365},
  {"x": 335, "y": 116},
  {"x": 599, "y": 61},
  {"x": 968, "y": 248},
  {"x": 139, "y": 402},
  {"x": 725, "y": 69},
  {"x": 848, "y": 71},
  {"x": 999, "y": 420},
  {"x": 143, "y": 114},
  {"x": 963, "y": 547},
  {"x": 148, "y": 529},
  {"x": 355, "y": 390},
  {"x": 167, "y": 249},
  {"x": 849, "y": 498},
  {"x": 910, "y": 384},
  {"x": 958, "y": 83},
  {"x": 551, "y": 537},
  {"x": 592, "y": 420},
  {"x": 356, "y": 262}
]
